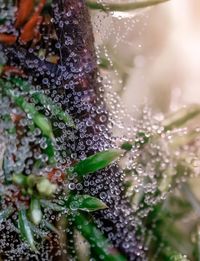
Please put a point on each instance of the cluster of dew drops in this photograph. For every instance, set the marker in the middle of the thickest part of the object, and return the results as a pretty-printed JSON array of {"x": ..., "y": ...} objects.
[
  {"x": 18, "y": 156},
  {"x": 19, "y": 152}
]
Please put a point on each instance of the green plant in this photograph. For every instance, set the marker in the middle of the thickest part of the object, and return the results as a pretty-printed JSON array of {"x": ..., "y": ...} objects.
[{"x": 51, "y": 108}]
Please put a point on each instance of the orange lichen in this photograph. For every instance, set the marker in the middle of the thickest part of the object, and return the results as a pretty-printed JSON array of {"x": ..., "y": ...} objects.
[
  {"x": 7, "y": 38},
  {"x": 25, "y": 9},
  {"x": 7, "y": 70},
  {"x": 29, "y": 31}
]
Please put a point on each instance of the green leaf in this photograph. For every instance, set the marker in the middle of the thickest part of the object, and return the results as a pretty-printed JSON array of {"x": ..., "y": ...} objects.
[
  {"x": 25, "y": 230},
  {"x": 44, "y": 124},
  {"x": 86, "y": 203},
  {"x": 49, "y": 151},
  {"x": 96, "y": 162},
  {"x": 99, "y": 244},
  {"x": 127, "y": 146},
  {"x": 49, "y": 205},
  {"x": 19, "y": 180},
  {"x": 4, "y": 214},
  {"x": 40, "y": 120},
  {"x": 110, "y": 7},
  {"x": 35, "y": 211},
  {"x": 45, "y": 101}
]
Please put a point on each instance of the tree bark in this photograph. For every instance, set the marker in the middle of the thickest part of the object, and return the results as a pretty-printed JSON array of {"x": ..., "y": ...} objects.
[{"x": 74, "y": 83}]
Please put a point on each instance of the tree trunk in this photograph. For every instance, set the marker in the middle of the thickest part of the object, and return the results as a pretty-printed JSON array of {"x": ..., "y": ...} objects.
[{"x": 74, "y": 83}]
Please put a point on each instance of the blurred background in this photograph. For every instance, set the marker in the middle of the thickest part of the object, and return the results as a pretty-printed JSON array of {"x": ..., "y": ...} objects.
[
  {"x": 152, "y": 56},
  {"x": 155, "y": 53}
]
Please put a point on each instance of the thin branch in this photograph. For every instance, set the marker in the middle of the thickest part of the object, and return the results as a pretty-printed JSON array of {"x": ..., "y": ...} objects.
[
  {"x": 77, "y": 54},
  {"x": 111, "y": 7}
]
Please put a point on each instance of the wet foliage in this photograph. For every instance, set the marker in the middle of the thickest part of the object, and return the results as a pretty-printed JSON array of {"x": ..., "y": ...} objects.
[{"x": 72, "y": 185}]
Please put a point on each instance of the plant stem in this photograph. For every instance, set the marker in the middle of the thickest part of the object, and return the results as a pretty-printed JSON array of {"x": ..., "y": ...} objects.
[
  {"x": 181, "y": 117},
  {"x": 111, "y": 7}
]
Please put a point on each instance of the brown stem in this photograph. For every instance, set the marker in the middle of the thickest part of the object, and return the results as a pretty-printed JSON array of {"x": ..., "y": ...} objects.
[{"x": 74, "y": 32}]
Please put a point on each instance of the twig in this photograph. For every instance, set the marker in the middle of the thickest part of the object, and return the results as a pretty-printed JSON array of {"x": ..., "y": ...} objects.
[{"x": 123, "y": 7}]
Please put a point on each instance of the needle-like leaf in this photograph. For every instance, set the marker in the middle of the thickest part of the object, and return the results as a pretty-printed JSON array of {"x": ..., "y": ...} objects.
[
  {"x": 25, "y": 230},
  {"x": 40, "y": 120},
  {"x": 96, "y": 162},
  {"x": 86, "y": 203}
]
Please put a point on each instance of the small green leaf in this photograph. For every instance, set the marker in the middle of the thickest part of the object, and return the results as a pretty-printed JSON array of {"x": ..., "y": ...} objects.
[
  {"x": 86, "y": 203},
  {"x": 40, "y": 120},
  {"x": 19, "y": 180},
  {"x": 4, "y": 214},
  {"x": 96, "y": 162},
  {"x": 25, "y": 230},
  {"x": 49, "y": 151},
  {"x": 35, "y": 211},
  {"x": 127, "y": 146},
  {"x": 142, "y": 139},
  {"x": 99, "y": 244},
  {"x": 44, "y": 124}
]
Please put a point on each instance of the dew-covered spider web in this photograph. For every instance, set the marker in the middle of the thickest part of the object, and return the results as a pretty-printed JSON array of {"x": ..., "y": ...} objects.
[{"x": 55, "y": 68}]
